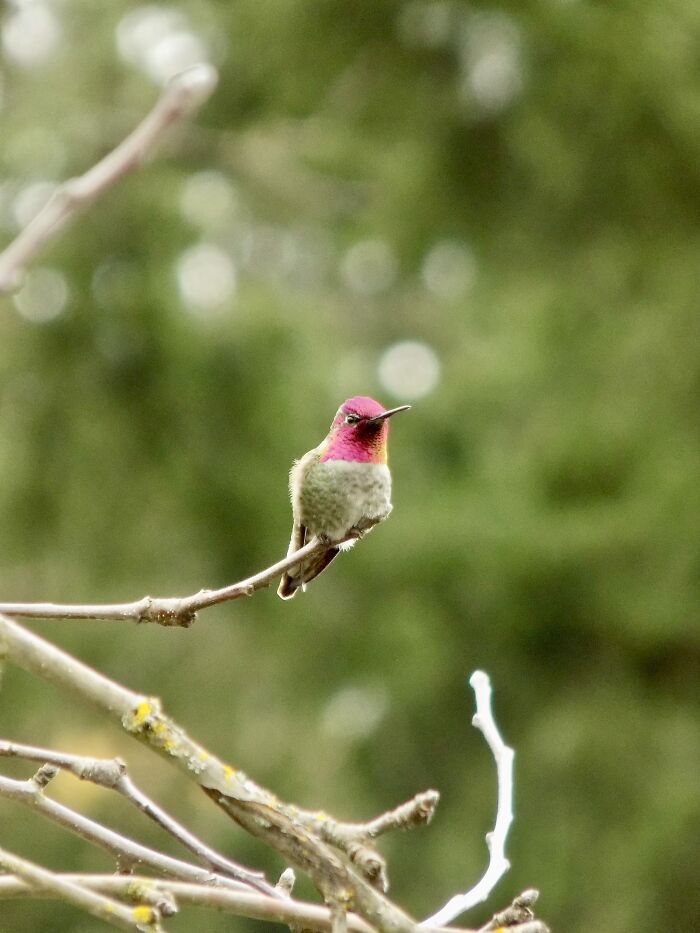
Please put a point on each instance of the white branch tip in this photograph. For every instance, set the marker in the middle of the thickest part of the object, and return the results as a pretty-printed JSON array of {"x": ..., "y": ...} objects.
[
  {"x": 198, "y": 82},
  {"x": 496, "y": 839}
]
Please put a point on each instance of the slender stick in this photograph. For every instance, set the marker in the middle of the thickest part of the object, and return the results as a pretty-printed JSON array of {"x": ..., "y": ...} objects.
[
  {"x": 168, "y": 610},
  {"x": 496, "y": 840},
  {"x": 298, "y": 914},
  {"x": 257, "y": 810},
  {"x": 185, "y": 93},
  {"x": 139, "y": 919},
  {"x": 111, "y": 773},
  {"x": 256, "y": 906},
  {"x": 125, "y": 850}
]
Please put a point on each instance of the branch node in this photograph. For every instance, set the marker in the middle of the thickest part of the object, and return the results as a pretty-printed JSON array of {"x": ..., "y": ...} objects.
[
  {"x": 370, "y": 863},
  {"x": 150, "y": 894},
  {"x": 416, "y": 812},
  {"x": 519, "y": 912},
  {"x": 44, "y": 776},
  {"x": 286, "y": 882}
]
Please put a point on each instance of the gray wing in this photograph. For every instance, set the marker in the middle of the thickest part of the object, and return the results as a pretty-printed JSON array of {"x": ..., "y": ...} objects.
[
  {"x": 286, "y": 588},
  {"x": 297, "y": 577}
]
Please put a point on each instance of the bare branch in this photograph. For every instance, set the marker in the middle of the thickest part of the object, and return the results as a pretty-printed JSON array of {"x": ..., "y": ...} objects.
[
  {"x": 257, "y": 810},
  {"x": 356, "y": 839},
  {"x": 181, "y": 98},
  {"x": 496, "y": 840},
  {"x": 339, "y": 920},
  {"x": 111, "y": 773},
  {"x": 167, "y": 610},
  {"x": 520, "y": 914},
  {"x": 415, "y": 812},
  {"x": 256, "y": 906},
  {"x": 286, "y": 882},
  {"x": 140, "y": 919},
  {"x": 298, "y": 914},
  {"x": 125, "y": 850}
]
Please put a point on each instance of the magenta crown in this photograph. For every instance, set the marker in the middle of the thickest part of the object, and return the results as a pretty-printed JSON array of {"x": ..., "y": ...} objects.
[
  {"x": 352, "y": 438},
  {"x": 361, "y": 405}
]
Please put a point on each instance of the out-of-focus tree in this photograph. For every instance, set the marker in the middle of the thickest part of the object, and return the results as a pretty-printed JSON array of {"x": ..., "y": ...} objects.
[{"x": 490, "y": 211}]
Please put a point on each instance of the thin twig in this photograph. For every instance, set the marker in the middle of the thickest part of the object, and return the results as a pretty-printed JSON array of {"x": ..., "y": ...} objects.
[
  {"x": 520, "y": 913},
  {"x": 168, "y": 610},
  {"x": 496, "y": 840},
  {"x": 111, "y": 773},
  {"x": 339, "y": 919},
  {"x": 185, "y": 93},
  {"x": 128, "y": 852},
  {"x": 418, "y": 811},
  {"x": 257, "y": 810},
  {"x": 299, "y": 914},
  {"x": 140, "y": 919},
  {"x": 256, "y": 906}
]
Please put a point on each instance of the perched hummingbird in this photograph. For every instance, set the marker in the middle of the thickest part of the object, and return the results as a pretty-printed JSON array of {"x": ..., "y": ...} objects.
[{"x": 340, "y": 489}]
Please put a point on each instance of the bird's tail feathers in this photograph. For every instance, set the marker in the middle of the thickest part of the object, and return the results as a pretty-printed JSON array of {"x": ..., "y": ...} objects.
[{"x": 297, "y": 577}]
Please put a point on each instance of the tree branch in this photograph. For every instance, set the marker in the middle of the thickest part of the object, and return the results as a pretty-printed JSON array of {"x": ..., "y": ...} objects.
[
  {"x": 127, "y": 852},
  {"x": 496, "y": 840},
  {"x": 298, "y": 914},
  {"x": 253, "y": 807},
  {"x": 111, "y": 773},
  {"x": 141, "y": 919},
  {"x": 519, "y": 915},
  {"x": 166, "y": 610},
  {"x": 185, "y": 93}
]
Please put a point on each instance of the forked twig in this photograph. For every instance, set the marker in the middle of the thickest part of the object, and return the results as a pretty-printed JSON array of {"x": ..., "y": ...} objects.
[
  {"x": 185, "y": 93},
  {"x": 111, "y": 773},
  {"x": 141, "y": 919}
]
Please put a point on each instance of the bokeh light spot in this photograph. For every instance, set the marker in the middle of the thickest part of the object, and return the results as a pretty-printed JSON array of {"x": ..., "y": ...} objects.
[
  {"x": 369, "y": 267},
  {"x": 206, "y": 278},
  {"x": 208, "y": 200},
  {"x": 491, "y": 61},
  {"x": 355, "y": 712},
  {"x": 409, "y": 369},
  {"x": 449, "y": 269},
  {"x": 43, "y": 295},
  {"x": 30, "y": 200},
  {"x": 31, "y": 34},
  {"x": 158, "y": 40}
]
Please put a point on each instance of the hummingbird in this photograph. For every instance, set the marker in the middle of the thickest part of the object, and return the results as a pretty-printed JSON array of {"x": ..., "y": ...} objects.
[{"x": 341, "y": 489}]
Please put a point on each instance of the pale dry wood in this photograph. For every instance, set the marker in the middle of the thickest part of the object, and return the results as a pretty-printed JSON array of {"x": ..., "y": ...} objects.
[
  {"x": 495, "y": 840},
  {"x": 298, "y": 914},
  {"x": 41, "y": 880},
  {"x": 163, "y": 610},
  {"x": 125, "y": 851},
  {"x": 185, "y": 93},
  {"x": 257, "y": 810},
  {"x": 111, "y": 773}
]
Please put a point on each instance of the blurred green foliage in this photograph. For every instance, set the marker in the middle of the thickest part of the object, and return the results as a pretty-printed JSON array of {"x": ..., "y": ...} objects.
[{"x": 546, "y": 489}]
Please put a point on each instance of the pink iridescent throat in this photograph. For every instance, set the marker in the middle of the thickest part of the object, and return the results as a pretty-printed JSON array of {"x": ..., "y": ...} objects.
[{"x": 357, "y": 444}]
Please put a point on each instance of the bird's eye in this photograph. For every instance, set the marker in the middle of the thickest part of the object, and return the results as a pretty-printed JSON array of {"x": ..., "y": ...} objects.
[{"x": 352, "y": 419}]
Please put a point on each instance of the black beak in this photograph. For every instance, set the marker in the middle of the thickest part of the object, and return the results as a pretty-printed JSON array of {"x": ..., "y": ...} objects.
[{"x": 387, "y": 414}]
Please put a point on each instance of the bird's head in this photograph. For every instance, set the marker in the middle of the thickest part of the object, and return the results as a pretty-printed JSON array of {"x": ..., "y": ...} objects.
[{"x": 359, "y": 431}]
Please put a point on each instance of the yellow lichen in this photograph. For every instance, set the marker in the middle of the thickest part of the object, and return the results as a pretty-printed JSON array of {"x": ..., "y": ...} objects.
[
  {"x": 229, "y": 772},
  {"x": 143, "y": 914},
  {"x": 137, "y": 718}
]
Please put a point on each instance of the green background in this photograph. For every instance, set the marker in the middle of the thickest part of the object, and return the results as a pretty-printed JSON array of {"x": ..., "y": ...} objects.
[{"x": 546, "y": 487}]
